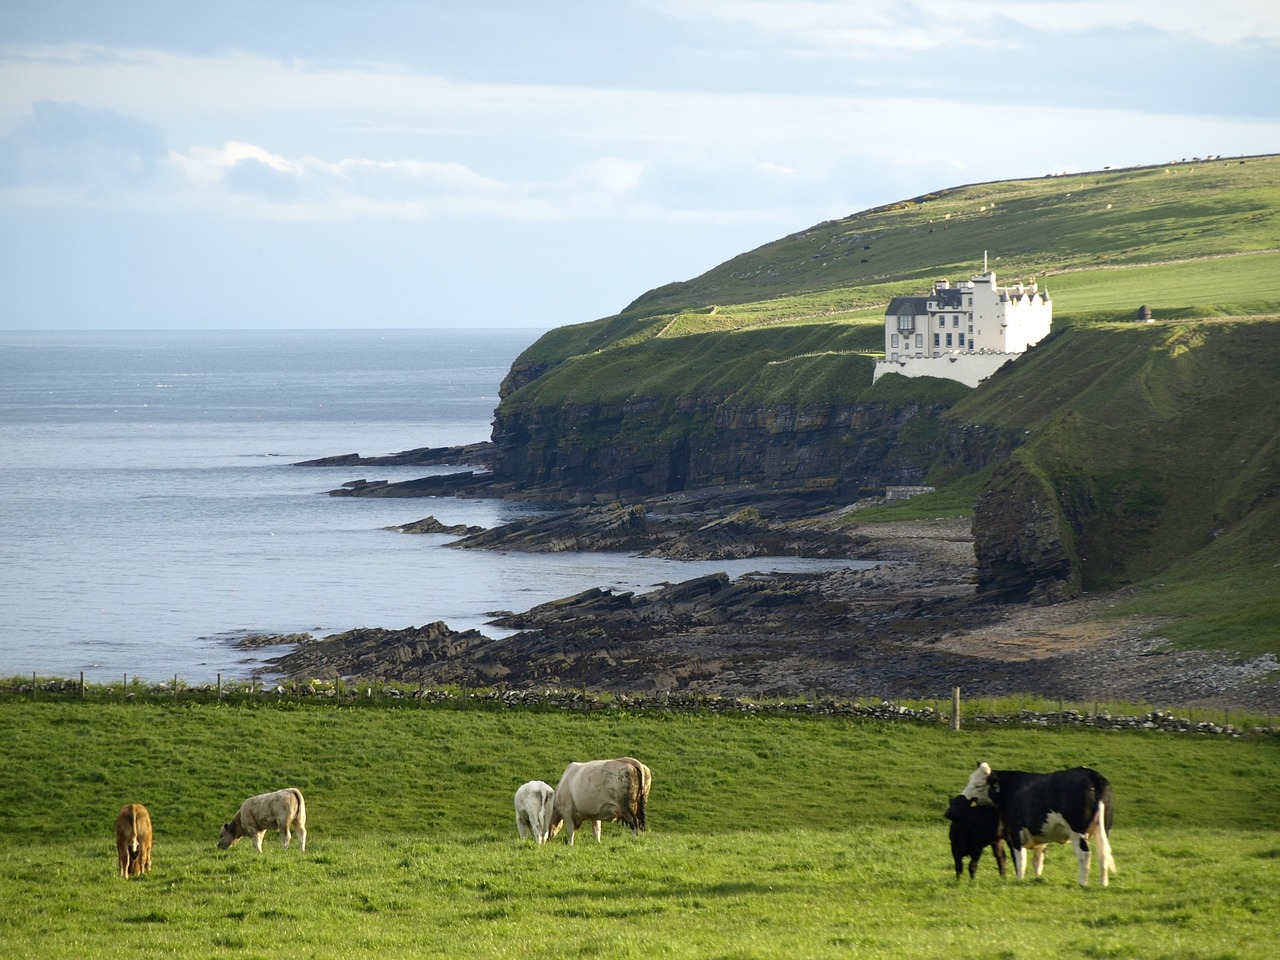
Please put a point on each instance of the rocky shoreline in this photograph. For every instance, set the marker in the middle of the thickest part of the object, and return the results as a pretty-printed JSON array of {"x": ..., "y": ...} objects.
[{"x": 911, "y": 627}]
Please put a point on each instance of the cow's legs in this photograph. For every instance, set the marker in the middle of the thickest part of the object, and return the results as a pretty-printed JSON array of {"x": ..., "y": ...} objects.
[
  {"x": 1038, "y": 859},
  {"x": 302, "y": 837},
  {"x": 257, "y": 839},
  {"x": 595, "y": 829},
  {"x": 1084, "y": 855},
  {"x": 1019, "y": 861},
  {"x": 523, "y": 827}
]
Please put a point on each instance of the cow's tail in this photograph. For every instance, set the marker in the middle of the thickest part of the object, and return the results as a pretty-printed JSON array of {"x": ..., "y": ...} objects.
[
  {"x": 302, "y": 807},
  {"x": 642, "y": 803},
  {"x": 1106, "y": 812},
  {"x": 133, "y": 834},
  {"x": 1106, "y": 862}
]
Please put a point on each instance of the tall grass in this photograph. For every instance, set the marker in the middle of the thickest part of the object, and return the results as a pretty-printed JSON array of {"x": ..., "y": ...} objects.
[{"x": 769, "y": 837}]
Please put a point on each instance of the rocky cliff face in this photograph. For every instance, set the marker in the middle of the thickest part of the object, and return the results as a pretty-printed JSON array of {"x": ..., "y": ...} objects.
[
  {"x": 646, "y": 447},
  {"x": 1022, "y": 543}
]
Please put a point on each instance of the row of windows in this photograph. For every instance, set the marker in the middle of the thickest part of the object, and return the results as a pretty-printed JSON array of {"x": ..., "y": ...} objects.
[
  {"x": 955, "y": 321},
  {"x": 906, "y": 341},
  {"x": 937, "y": 337}
]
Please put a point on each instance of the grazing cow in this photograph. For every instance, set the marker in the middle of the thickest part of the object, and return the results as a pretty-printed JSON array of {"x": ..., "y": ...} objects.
[
  {"x": 533, "y": 810},
  {"x": 279, "y": 811},
  {"x": 1041, "y": 808},
  {"x": 133, "y": 839},
  {"x": 974, "y": 827},
  {"x": 601, "y": 790}
]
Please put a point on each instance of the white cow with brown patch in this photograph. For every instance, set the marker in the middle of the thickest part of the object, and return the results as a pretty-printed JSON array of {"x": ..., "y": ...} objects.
[
  {"x": 600, "y": 790},
  {"x": 533, "y": 810},
  {"x": 281, "y": 811},
  {"x": 133, "y": 840}
]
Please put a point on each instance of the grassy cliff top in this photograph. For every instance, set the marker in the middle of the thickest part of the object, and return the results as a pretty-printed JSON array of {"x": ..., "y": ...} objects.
[{"x": 1188, "y": 240}]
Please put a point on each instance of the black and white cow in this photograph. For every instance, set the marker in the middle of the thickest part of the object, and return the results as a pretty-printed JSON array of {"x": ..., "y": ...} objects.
[{"x": 1039, "y": 808}]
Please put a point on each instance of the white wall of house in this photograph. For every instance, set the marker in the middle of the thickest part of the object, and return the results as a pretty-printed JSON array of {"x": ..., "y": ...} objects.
[
  {"x": 973, "y": 317},
  {"x": 968, "y": 368}
]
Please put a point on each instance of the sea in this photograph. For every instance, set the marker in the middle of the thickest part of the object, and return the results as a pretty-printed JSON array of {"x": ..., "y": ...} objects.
[{"x": 152, "y": 511}]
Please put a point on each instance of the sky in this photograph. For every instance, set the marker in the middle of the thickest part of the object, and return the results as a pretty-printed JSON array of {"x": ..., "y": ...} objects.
[{"x": 533, "y": 163}]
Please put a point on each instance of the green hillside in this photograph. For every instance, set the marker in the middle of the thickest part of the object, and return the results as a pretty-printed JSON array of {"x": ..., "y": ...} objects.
[
  {"x": 1189, "y": 240},
  {"x": 1157, "y": 442}
]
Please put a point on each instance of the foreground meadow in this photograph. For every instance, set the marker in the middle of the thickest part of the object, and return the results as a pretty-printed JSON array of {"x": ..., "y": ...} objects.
[{"x": 769, "y": 837}]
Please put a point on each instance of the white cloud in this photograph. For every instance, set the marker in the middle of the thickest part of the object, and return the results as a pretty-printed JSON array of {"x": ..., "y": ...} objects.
[{"x": 925, "y": 24}]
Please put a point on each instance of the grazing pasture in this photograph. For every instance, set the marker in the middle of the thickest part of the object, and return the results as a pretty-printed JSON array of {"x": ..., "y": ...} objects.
[{"x": 767, "y": 837}]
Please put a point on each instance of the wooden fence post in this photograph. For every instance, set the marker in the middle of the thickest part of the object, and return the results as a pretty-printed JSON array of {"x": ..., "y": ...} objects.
[{"x": 955, "y": 708}]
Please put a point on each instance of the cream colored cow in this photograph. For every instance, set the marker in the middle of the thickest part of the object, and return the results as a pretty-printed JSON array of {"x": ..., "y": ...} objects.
[
  {"x": 268, "y": 811},
  {"x": 601, "y": 790},
  {"x": 533, "y": 809}
]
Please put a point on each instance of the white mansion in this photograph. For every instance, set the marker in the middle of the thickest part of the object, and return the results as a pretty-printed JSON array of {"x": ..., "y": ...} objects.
[{"x": 964, "y": 332}]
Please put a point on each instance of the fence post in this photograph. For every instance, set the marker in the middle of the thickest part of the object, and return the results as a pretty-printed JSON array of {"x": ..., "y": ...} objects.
[
  {"x": 81, "y": 684},
  {"x": 219, "y": 688},
  {"x": 33, "y": 684},
  {"x": 955, "y": 708}
]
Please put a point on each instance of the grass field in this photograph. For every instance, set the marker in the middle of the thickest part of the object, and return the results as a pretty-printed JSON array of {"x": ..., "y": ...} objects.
[{"x": 769, "y": 837}]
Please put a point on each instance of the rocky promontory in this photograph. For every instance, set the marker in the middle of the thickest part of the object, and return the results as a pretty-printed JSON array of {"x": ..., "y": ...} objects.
[{"x": 911, "y": 626}]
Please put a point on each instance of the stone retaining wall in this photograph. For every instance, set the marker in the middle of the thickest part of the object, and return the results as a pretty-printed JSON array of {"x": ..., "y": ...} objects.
[{"x": 352, "y": 692}]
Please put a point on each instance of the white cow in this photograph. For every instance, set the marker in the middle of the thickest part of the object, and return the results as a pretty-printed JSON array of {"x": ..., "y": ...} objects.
[
  {"x": 267, "y": 811},
  {"x": 601, "y": 790},
  {"x": 533, "y": 810}
]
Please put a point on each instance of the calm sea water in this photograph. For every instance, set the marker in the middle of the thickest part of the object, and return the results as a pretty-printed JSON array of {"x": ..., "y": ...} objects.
[{"x": 152, "y": 513}]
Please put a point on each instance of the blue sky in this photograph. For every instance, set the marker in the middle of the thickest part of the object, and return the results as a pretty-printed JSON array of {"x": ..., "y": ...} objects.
[{"x": 166, "y": 164}]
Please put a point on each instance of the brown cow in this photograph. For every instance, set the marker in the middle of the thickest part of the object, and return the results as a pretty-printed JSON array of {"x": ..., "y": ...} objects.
[{"x": 133, "y": 840}]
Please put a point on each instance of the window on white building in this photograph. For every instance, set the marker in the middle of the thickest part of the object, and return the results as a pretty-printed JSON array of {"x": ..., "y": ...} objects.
[
  {"x": 893, "y": 340},
  {"x": 948, "y": 339},
  {"x": 919, "y": 340},
  {"x": 962, "y": 339}
]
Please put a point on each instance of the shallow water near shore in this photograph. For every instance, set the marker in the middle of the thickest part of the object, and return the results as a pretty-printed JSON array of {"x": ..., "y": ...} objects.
[{"x": 153, "y": 513}]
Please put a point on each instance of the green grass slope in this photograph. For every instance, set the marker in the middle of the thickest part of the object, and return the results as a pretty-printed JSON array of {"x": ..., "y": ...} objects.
[
  {"x": 768, "y": 837},
  {"x": 1162, "y": 444}
]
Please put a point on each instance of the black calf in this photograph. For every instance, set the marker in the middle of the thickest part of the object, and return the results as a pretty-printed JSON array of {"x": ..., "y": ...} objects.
[{"x": 973, "y": 828}]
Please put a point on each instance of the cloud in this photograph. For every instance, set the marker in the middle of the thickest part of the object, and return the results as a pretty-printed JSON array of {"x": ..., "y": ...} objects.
[
  {"x": 68, "y": 143},
  {"x": 870, "y": 25}
]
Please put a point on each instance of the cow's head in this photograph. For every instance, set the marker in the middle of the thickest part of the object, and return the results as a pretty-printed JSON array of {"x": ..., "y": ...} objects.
[
  {"x": 959, "y": 807},
  {"x": 979, "y": 786},
  {"x": 227, "y": 836}
]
